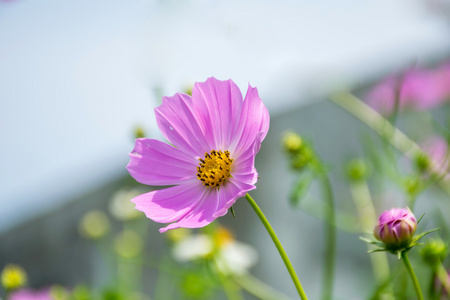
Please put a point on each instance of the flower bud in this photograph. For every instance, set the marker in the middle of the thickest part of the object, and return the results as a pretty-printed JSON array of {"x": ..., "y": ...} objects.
[
  {"x": 13, "y": 277},
  {"x": 434, "y": 252},
  {"x": 396, "y": 228},
  {"x": 356, "y": 169},
  {"x": 301, "y": 159},
  {"x": 139, "y": 132},
  {"x": 292, "y": 142},
  {"x": 422, "y": 162}
]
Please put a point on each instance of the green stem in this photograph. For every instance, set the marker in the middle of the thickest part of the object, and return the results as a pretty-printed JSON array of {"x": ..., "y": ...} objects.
[
  {"x": 432, "y": 295},
  {"x": 386, "y": 130},
  {"x": 443, "y": 277},
  {"x": 230, "y": 288},
  {"x": 367, "y": 217},
  {"x": 330, "y": 239},
  {"x": 413, "y": 275},
  {"x": 258, "y": 288},
  {"x": 277, "y": 243}
]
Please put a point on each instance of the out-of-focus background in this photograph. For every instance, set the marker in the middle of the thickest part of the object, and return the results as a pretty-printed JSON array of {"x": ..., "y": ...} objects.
[{"x": 77, "y": 78}]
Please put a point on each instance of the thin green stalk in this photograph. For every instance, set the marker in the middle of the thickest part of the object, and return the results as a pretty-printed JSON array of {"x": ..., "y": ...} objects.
[
  {"x": 443, "y": 278},
  {"x": 413, "y": 275},
  {"x": 386, "y": 130},
  {"x": 330, "y": 239},
  {"x": 258, "y": 288},
  {"x": 230, "y": 287},
  {"x": 367, "y": 217},
  {"x": 163, "y": 281},
  {"x": 277, "y": 243},
  {"x": 432, "y": 295}
]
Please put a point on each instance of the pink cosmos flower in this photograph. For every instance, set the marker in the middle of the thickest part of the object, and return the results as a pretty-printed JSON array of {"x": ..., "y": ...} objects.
[
  {"x": 396, "y": 228},
  {"x": 437, "y": 149},
  {"x": 215, "y": 137},
  {"x": 27, "y": 294},
  {"x": 420, "y": 89}
]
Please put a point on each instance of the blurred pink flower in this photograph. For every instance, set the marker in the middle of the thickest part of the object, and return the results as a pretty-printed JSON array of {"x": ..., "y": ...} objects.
[
  {"x": 420, "y": 89},
  {"x": 215, "y": 136},
  {"x": 437, "y": 149},
  {"x": 28, "y": 294}
]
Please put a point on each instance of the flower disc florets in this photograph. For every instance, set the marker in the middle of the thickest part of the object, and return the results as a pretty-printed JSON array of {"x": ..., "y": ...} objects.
[
  {"x": 215, "y": 168},
  {"x": 396, "y": 228}
]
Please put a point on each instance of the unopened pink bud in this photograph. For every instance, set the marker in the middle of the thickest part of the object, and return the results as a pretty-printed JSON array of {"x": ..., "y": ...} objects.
[{"x": 396, "y": 228}]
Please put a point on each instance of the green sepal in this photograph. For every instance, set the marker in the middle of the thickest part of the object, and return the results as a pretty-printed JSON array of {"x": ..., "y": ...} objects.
[
  {"x": 418, "y": 221},
  {"x": 377, "y": 250},
  {"x": 416, "y": 238},
  {"x": 232, "y": 212},
  {"x": 382, "y": 247}
]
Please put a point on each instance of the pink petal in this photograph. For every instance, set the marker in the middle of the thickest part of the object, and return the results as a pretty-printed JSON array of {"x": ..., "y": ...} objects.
[
  {"x": 179, "y": 124},
  {"x": 170, "y": 204},
  {"x": 254, "y": 120},
  {"x": 217, "y": 105},
  {"x": 153, "y": 162},
  {"x": 244, "y": 166},
  {"x": 229, "y": 193},
  {"x": 201, "y": 215}
]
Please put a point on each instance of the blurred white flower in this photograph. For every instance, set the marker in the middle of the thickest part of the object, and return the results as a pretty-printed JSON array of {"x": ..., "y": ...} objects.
[
  {"x": 236, "y": 258},
  {"x": 193, "y": 247},
  {"x": 231, "y": 256}
]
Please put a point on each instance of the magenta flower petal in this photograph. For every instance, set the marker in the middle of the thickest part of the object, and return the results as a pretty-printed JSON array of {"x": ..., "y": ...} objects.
[
  {"x": 170, "y": 204},
  {"x": 153, "y": 162},
  {"x": 27, "y": 294},
  {"x": 234, "y": 189},
  {"x": 179, "y": 124},
  {"x": 253, "y": 121},
  {"x": 218, "y": 105},
  {"x": 201, "y": 215},
  {"x": 216, "y": 137}
]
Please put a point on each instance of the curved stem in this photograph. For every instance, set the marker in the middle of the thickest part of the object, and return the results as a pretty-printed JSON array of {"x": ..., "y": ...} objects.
[
  {"x": 277, "y": 243},
  {"x": 330, "y": 239},
  {"x": 413, "y": 275}
]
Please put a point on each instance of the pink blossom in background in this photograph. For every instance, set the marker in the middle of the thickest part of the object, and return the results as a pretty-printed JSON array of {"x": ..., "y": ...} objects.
[
  {"x": 28, "y": 294},
  {"x": 443, "y": 78},
  {"x": 437, "y": 149},
  {"x": 215, "y": 136},
  {"x": 420, "y": 89}
]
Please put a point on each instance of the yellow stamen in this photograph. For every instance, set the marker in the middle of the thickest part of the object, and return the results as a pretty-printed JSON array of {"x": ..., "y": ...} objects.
[{"x": 215, "y": 168}]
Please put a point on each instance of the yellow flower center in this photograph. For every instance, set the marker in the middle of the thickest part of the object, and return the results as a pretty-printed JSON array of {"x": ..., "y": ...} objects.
[{"x": 215, "y": 168}]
